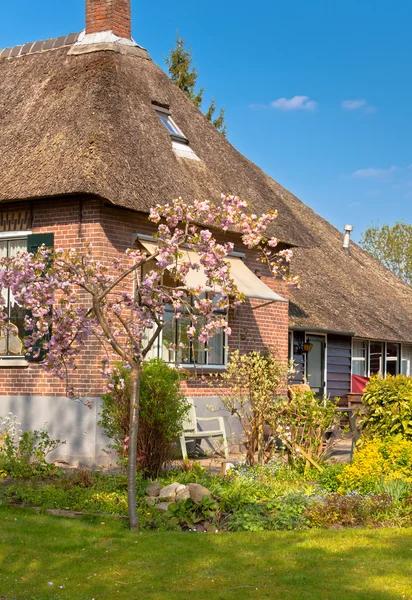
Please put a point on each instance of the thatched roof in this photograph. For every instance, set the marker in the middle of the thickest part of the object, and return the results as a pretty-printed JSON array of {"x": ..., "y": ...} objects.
[
  {"x": 85, "y": 123},
  {"x": 354, "y": 293}
]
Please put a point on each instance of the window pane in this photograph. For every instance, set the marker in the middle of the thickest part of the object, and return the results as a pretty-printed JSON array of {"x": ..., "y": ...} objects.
[
  {"x": 3, "y": 249},
  {"x": 169, "y": 124},
  {"x": 359, "y": 358},
  {"x": 168, "y": 337},
  {"x": 375, "y": 358},
  {"x": 392, "y": 351},
  {"x": 359, "y": 349},
  {"x": 11, "y": 343},
  {"x": 183, "y": 354},
  {"x": 359, "y": 367},
  {"x": 16, "y": 246},
  {"x": 216, "y": 349},
  {"x": 406, "y": 360}
]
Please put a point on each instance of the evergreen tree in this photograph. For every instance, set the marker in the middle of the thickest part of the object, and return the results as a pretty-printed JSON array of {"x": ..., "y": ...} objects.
[{"x": 184, "y": 75}]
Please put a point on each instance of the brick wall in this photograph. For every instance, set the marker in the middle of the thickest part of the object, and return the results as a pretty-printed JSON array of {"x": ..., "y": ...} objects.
[
  {"x": 76, "y": 221},
  {"x": 109, "y": 15}
]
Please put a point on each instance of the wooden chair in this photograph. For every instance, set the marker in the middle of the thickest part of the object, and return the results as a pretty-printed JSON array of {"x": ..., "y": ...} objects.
[{"x": 192, "y": 432}]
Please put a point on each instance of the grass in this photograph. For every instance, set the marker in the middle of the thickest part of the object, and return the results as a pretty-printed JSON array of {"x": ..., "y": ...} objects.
[{"x": 105, "y": 561}]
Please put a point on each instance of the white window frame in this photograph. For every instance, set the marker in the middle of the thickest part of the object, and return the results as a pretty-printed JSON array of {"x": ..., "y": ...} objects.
[
  {"x": 408, "y": 359},
  {"x": 325, "y": 358},
  {"x": 384, "y": 370},
  {"x": 157, "y": 352},
  {"x": 353, "y": 358},
  {"x": 16, "y": 360}
]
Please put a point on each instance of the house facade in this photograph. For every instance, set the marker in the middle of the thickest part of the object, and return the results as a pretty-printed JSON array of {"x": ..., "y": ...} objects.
[
  {"x": 92, "y": 135},
  {"x": 353, "y": 312}
]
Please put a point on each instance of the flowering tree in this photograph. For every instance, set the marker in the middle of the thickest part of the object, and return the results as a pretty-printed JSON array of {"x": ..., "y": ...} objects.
[{"x": 71, "y": 296}]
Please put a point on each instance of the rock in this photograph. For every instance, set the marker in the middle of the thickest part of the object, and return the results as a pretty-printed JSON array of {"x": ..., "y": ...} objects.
[
  {"x": 182, "y": 494},
  {"x": 163, "y": 505},
  {"x": 151, "y": 500},
  {"x": 168, "y": 493},
  {"x": 154, "y": 489},
  {"x": 197, "y": 492}
]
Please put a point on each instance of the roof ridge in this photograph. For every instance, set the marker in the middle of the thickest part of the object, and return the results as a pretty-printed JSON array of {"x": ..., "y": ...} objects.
[{"x": 40, "y": 46}]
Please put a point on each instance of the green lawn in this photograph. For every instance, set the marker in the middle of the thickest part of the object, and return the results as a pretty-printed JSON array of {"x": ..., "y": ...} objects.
[{"x": 106, "y": 561}]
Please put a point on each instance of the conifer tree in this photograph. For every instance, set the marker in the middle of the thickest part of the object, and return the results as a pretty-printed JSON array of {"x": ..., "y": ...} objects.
[{"x": 184, "y": 75}]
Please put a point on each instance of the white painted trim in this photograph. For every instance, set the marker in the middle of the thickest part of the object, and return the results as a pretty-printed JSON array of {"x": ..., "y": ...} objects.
[
  {"x": 6, "y": 363},
  {"x": 12, "y": 235},
  {"x": 325, "y": 373},
  {"x": 409, "y": 371},
  {"x": 367, "y": 358},
  {"x": 103, "y": 37}
]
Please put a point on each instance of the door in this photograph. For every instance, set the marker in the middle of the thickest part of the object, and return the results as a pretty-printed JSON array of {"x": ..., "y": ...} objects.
[{"x": 315, "y": 364}]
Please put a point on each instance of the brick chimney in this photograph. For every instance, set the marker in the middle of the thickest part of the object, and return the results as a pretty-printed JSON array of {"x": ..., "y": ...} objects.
[{"x": 109, "y": 15}]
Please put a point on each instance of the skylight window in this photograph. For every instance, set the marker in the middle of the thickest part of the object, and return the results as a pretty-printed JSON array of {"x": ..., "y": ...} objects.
[
  {"x": 171, "y": 126},
  {"x": 180, "y": 143}
]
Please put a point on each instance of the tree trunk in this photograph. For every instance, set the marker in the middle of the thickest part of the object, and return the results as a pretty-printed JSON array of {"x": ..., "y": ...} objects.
[{"x": 132, "y": 451}]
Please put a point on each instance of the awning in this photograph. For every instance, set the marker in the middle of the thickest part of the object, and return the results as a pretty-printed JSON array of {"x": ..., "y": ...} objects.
[{"x": 246, "y": 282}]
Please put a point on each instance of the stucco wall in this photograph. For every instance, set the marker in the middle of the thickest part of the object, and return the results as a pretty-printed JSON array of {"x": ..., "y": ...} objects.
[{"x": 66, "y": 420}]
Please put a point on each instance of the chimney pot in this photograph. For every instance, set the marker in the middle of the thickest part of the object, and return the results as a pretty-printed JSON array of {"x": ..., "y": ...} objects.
[
  {"x": 346, "y": 239},
  {"x": 109, "y": 15}
]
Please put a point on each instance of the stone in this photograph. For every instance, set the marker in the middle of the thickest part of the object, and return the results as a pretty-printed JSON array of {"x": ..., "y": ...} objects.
[
  {"x": 163, "y": 505},
  {"x": 151, "y": 500},
  {"x": 182, "y": 494},
  {"x": 168, "y": 493},
  {"x": 197, "y": 492},
  {"x": 154, "y": 489}
]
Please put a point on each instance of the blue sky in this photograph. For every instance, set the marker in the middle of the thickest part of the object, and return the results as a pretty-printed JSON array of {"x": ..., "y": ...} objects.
[{"x": 318, "y": 93}]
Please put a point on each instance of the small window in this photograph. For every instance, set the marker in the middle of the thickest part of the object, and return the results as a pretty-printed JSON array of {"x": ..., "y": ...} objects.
[
  {"x": 360, "y": 358},
  {"x": 180, "y": 143},
  {"x": 407, "y": 360},
  {"x": 11, "y": 340},
  {"x": 376, "y": 355},
  {"x": 175, "y": 133},
  {"x": 392, "y": 359}
]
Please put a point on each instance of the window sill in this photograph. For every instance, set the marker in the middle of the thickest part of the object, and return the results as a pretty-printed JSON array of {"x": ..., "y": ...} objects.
[
  {"x": 5, "y": 363},
  {"x": 202, "y": 370}
]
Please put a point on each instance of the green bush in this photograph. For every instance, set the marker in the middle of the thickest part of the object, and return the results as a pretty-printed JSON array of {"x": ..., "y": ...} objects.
[
  {"x": 388, "y": 404},
  {"x": 301, "y": 423},
  {"x": 163, "y": 409},
  {"x": 329, "y": 478},
  {"x": 377, "y": 461}
]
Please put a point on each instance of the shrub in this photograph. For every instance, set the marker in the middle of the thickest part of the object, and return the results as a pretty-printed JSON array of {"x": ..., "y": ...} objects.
[
  {"x": 301, "y": 424},
  {"x": 163, "y": 409},
  {"x": 388, "y": 404},
  {"x": 377, "y": 461},
  {"x": 335, "y": 510},
  {"x": 23, "y": 454},
  {"x": 249, "y": 388},
  {"x": 329, "y": 478}
]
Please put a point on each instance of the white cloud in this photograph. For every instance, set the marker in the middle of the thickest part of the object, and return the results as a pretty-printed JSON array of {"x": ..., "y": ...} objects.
[
  {"x": 353, "y": 104},
  {"x": 358, "y": 104},
  {"x": 295, "y": 103},
  {"x": 374, "y": 173}
]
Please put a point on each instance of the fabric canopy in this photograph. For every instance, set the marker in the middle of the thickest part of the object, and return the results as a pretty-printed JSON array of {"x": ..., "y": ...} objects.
[{"x": 246, "y": 281}]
